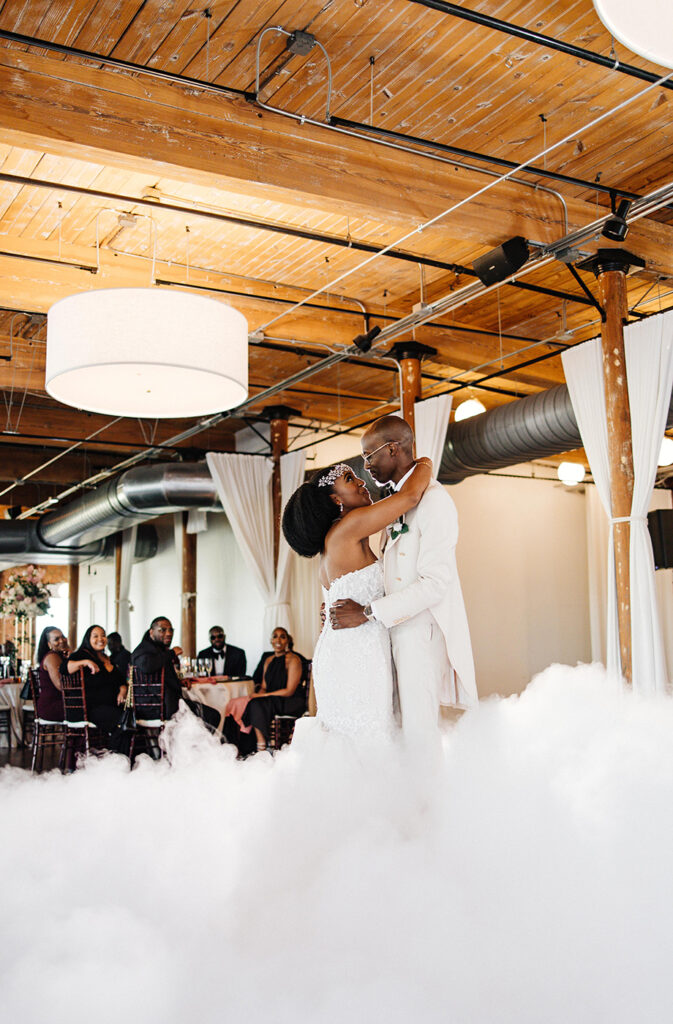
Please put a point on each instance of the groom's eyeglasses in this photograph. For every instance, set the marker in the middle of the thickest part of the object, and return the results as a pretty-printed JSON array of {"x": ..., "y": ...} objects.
[{"x": 368, "y": 457}]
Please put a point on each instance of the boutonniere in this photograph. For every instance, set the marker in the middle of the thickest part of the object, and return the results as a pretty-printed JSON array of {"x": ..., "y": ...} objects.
[{"x": 399, "y": 528}]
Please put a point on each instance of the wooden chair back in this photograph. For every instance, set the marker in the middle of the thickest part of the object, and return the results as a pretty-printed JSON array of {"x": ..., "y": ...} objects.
[{"x": 148, "y": 695}]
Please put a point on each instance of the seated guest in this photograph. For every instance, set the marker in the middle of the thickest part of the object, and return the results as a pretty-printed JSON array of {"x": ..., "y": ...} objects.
[
  {"x": 119, "y": 656},
  {"x": 154, "y": 653},
  {"x": 280, "y": 692},
  {"x": 227, "y": 660},
  {"x": 104, "y": 686},
  {"x": 52, "y": 656}
]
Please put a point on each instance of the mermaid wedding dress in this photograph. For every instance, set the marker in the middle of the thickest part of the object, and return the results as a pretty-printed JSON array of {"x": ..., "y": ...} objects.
[{"x": 352, "y": 668}]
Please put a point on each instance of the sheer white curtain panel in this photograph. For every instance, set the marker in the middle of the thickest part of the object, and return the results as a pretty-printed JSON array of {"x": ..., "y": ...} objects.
[
  {"x": 649, "y": 371},
  {"x": 243, "y": 484},
  {"x": 432, "y": 423}
]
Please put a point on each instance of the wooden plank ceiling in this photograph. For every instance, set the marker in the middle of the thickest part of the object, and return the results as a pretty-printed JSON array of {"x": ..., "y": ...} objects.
[{"x": 114, "y": 176}]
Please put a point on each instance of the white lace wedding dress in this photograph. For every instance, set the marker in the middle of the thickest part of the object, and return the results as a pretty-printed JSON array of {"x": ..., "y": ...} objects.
[{"x": 352, "y": 668}]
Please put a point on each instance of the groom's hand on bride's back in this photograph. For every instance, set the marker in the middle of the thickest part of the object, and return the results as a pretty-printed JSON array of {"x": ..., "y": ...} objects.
[{"x": 346, "y": 614}]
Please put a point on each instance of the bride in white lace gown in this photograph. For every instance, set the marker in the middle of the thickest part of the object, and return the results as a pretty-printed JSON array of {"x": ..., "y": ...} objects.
[{"x": 333, "y": 514}]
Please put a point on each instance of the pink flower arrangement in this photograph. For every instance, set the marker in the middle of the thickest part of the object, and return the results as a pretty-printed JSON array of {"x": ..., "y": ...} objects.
[{"x": 25, "y": 594}]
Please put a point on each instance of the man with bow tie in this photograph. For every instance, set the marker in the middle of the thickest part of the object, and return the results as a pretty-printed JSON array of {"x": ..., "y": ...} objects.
[{"x": 423, "y": 604}]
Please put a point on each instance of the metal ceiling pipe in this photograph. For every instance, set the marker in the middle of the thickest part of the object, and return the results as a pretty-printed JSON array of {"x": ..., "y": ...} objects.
[
  {"x": 20, "y": 542},
  {"x": 520, "y": 32},
  {"x": 532, "y": 428},
  {"x": 135, "y": 496}
]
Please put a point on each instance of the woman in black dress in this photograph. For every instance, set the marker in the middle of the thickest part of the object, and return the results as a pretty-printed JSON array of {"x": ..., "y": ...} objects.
[
  {"x": 279, "y": 691},
  {"x": 52, "y": 656},
  {"x": 104, "y": 686}
]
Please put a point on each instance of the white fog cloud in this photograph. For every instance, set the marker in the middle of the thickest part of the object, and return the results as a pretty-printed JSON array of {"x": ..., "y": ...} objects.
[{"x": 528, "y": 881}]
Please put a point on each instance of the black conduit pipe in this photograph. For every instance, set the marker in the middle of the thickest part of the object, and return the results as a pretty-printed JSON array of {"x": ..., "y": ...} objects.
[{"x": 487, "y": 21}]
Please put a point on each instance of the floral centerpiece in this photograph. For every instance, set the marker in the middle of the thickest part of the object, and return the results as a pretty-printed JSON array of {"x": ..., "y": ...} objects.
[{"x": 25, "y": 594}]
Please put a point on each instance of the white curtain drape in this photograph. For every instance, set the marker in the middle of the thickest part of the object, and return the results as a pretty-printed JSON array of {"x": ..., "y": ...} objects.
[
  {"x": 280, "y": 613},
  {"x": 123, "y": 624},
  {"x": 243, "y": 484},
  {"x": 649, "y": 371},
  {"x": 583, "y": 368},
  {"x": 432, "y": 423}
]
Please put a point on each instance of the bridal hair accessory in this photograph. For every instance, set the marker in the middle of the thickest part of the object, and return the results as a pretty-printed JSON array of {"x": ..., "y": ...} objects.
[{"x": 334, "y": 474}]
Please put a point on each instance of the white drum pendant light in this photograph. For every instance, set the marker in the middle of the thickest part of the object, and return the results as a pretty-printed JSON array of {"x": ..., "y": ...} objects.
[
  {"x": 146, "y": 352},
  {"x": 645, "y": 26}
]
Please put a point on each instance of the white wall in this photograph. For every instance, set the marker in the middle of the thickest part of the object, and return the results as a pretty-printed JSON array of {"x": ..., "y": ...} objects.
[{"x": 522, "y": 560}]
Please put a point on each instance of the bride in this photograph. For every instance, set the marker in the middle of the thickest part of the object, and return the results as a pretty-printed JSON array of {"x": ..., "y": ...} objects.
[{"x": 333, "y": 515}]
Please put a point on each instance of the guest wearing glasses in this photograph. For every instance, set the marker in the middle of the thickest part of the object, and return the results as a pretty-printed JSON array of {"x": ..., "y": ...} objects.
[{"x": 226, "y": 660}]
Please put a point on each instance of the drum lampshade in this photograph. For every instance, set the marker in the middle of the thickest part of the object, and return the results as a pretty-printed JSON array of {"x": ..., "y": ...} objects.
[
  {"x": 146, "y": 352},
  {"x": 646, "y": 27}
]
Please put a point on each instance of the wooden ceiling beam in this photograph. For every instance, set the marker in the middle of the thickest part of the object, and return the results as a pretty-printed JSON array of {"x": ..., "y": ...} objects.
[{"x": 150, "y": 126}]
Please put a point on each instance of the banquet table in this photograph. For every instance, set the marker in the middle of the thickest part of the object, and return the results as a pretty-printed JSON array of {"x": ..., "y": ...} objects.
[
  {"x": 216, "y": 692},
  {"x": 10, "y": 696}
]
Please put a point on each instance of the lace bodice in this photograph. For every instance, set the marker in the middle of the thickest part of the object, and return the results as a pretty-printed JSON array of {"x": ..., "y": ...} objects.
[
  {"x": 352, "y": 667},
  {"x": 362, "y": 585}
]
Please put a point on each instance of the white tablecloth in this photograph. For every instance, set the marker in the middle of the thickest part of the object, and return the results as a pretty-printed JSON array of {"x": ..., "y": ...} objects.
[
  {"x": 217, "y": 695},
  {"x": 10, "y": 696}
]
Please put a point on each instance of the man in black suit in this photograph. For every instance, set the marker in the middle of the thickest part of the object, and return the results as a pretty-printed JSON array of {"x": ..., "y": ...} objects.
[
  {"x": 227, "y": 660},
  {"x": 153, "y": 654}
]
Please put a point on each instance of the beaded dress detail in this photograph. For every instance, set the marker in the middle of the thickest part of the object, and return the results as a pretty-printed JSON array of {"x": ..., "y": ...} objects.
[{"x": 352, "y": 668}]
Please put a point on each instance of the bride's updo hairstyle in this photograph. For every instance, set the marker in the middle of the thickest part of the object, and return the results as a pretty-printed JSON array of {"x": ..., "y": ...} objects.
[{"x": 311, "y": 511}]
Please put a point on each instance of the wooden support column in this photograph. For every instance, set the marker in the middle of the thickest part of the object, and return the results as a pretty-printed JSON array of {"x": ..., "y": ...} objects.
[
  {"x": 73, "y": 600},
  {"x": 278, "y": 423},
  {"x": 118, "y": 580},
  {"x": 188, "y": 631},
  {"x": 610, "y": 267},
  {"x": 409, "y": 355}
]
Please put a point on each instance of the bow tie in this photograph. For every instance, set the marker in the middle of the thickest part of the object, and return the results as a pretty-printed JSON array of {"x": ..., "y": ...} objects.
[{"x": 387, "y": 491}]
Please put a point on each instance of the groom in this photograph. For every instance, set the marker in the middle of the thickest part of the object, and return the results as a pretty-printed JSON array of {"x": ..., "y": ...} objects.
[{"x": 423, "y": 604}]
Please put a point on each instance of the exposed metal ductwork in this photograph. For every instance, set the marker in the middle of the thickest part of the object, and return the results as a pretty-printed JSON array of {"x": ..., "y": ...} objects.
[
  {"x": 531, "y": 428},
  {"x": 135, "y": 496},
  {"x": 20, "y": 542},
  {"x": 81, "y": 530}
]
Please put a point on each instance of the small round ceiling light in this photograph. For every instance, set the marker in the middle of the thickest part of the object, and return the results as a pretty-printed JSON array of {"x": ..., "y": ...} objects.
[
  {"x": 471, "y": 407},
  {"x": 571, "y": 473},
  {"x": 146, "y": 352},
  {"x": 646, "y": 27},
  {"x": 666, "y": 452}
]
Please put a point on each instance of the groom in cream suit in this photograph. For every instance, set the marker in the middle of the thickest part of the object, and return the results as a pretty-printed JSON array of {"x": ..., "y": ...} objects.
[{"x": 423, "y": 604}]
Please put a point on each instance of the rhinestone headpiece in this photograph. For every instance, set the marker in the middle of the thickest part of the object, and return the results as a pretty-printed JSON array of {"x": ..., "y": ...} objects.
[{"x": 335, "y": 472}]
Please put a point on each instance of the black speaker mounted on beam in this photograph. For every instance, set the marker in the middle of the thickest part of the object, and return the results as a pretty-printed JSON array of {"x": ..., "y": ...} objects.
[
  {"x": 660, "y": 525},
  {"x": 499, "y": 263}
]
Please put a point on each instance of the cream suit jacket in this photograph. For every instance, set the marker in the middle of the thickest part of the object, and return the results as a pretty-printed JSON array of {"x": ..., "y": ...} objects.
[{"x": 421, "y": 574}]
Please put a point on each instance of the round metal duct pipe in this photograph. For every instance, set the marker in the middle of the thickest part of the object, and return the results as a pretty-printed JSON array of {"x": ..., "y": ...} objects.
[
  {"x": 530, "y": 428},
  {"x": 141, "y": 493}
]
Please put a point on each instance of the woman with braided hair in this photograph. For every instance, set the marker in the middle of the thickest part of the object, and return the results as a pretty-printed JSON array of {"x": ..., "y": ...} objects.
[{"x": 333, "y": 515}]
